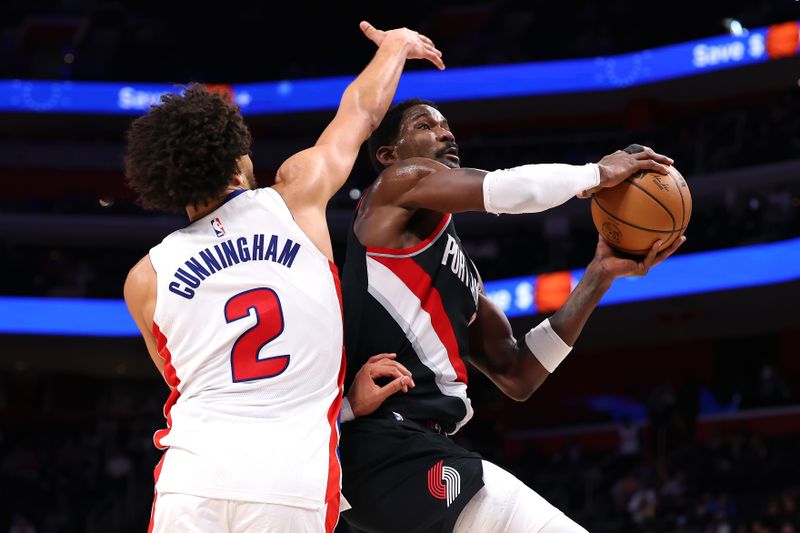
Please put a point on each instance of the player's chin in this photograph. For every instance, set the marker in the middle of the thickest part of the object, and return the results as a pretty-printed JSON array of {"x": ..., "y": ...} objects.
[{"x": 450, "y": 160}]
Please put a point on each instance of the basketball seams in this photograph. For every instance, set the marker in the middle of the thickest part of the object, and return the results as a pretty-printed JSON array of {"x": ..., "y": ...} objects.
[
  {"x": 683, "y": 203},
  {"x": 664, "y": 207},
  {"x": 607, "y": 212}
]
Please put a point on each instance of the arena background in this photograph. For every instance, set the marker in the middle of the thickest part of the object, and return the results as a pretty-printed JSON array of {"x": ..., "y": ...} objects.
[{"x": 679, "y": 408}]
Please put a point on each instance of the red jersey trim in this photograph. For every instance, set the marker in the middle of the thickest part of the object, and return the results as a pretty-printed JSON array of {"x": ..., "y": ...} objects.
[
  {"x": 433, "y": 237},
  {"x": 334, "y": 485},
  {"x": 172, "y": 380}
]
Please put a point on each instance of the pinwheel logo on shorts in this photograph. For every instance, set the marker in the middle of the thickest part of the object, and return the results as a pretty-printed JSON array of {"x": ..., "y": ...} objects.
[{"x": 444, "y": 482}]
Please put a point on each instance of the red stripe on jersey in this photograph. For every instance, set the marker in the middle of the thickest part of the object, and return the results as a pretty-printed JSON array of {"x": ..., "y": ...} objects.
[
  {"x": 156, "y": 474},
  {"x": 172, "y": 380},
  {"x": 333, "y": 490},
  {"x": 407, "y": 251},
  {"x": 419, "y": 282}
]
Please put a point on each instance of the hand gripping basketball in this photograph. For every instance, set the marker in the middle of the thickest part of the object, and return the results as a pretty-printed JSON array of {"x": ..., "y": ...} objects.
[{"x": 652, "y": 204}]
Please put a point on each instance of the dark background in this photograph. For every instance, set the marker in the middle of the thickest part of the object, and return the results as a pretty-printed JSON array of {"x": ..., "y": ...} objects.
[{"x": 710, "y": 382}]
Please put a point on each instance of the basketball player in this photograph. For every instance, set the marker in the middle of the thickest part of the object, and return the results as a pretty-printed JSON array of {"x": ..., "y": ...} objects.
[
  {"x": 241, "y": 311},
  {"x": 410, "y": 288}
]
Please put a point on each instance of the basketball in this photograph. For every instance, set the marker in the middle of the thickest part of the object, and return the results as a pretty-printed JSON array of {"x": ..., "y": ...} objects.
[{"x": 643, "y": 209}]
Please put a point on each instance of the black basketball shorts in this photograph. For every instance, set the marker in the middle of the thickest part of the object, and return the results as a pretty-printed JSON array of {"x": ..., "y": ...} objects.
[{"x": 400, "y": 476}]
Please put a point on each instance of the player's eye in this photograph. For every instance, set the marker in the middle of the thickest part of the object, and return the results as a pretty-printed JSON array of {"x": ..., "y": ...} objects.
[{"x": 423, "y": 126}]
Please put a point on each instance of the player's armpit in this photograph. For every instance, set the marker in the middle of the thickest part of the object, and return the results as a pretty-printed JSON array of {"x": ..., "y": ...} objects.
[{"x": 300, "y": 177}]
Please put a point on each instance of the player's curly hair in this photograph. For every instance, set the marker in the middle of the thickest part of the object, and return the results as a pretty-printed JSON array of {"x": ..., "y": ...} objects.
[
  {"x": 184, "y": 150},
  {"x": 386, "y": 133}
]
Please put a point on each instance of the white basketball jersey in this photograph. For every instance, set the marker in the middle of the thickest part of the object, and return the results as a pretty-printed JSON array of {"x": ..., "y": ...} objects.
[{"x": 248, "y": 320}]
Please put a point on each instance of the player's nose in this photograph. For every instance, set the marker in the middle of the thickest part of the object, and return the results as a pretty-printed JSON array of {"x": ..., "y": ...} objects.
[{"x": 446, "y": 135}]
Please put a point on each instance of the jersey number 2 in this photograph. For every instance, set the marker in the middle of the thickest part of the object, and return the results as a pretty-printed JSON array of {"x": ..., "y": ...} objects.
[{"x": 245, "y": 364}]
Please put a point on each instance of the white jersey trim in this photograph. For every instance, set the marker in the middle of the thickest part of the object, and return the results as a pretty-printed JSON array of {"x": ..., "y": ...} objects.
[{"x": 281, "y": 203}]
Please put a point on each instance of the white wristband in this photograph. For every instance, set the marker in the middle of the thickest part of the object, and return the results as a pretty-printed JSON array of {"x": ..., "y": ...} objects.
[
  {"x": 535, "y": 188},
  {"x": 346, "y": 414},
  {"x": 547, "y": 346}
]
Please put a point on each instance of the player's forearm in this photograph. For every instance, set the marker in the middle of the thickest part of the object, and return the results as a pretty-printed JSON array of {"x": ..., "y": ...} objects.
[
  {"x": 569, "y": 320},
  {"x": 535, "y": 188},
  {"x": 371, "y": 93},
  {"x": 525, "y": 189},
  {"x": 546, "y": 345},
  {"x": 528, "y": 375}
]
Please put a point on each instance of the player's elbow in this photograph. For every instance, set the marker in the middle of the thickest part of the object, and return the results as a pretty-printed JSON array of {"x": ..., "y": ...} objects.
[
  {"x": 518, "y": 397},
  {"x": 521, "y": 389},
  {"x": 520, "y": 394},
  {"x": 515, "y": 390}
]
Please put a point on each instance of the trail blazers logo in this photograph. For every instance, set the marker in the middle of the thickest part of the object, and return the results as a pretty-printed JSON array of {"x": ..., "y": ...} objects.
[{"x": 444, "y": 482}]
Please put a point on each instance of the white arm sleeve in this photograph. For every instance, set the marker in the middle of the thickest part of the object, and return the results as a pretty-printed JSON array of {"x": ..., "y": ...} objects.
[{"x": 535, "y": 188}]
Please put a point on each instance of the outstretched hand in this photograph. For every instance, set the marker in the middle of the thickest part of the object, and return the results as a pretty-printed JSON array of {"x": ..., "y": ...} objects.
[
  {"x": 613, "y": 265},
  {"x": 617, "y": 167},
  {"x": 365, "y": 395},
  {"x": 421, "y": 47}
]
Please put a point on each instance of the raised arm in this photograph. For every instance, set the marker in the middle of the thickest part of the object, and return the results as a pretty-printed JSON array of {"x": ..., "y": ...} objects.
[
  {"x": 314, "y": 175},
  {"x": 519, "y": 367}
]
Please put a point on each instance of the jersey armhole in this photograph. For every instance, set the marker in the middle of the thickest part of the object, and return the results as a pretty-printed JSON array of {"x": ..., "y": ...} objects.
[
  {"x": 277, "y": 205},
  {"x": 416, "y": 249},
  {"x": 275, "y": 201},
  {"x": 157, "y": 306}
]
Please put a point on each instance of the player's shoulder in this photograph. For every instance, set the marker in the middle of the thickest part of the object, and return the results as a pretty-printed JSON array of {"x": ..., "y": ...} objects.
[
  {"x": 139, "y": 292},
  {"x": 141, "y": 277},
  {"x": 414, "y": 165},
  {"x": 406, "y": 173}
]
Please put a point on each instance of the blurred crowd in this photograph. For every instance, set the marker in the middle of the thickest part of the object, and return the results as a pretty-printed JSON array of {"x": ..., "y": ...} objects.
[
  {"x": 76, "y": 455},
  {"x": 731, "y": 483}
]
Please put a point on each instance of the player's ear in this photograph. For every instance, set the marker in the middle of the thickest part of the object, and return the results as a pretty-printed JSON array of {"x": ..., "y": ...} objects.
[
  {"x": 238, "y": 180},
  {"x": 386, "y": 155}
]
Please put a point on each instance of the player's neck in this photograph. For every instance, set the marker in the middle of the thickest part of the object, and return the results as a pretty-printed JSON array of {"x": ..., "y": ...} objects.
[{"x": 200, "y": 210}]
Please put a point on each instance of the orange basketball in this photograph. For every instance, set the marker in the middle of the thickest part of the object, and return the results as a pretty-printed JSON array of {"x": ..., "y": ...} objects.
[{"x": 643, "y": 209}]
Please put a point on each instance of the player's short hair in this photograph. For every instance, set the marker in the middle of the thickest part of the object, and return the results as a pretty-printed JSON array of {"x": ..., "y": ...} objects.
[
  {"x": 184, "y": 150},
  {"x": 386, "y": 133}
]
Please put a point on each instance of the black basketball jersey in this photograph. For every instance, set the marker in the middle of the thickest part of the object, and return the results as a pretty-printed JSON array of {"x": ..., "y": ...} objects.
[{"x": 418, "y": 303}]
